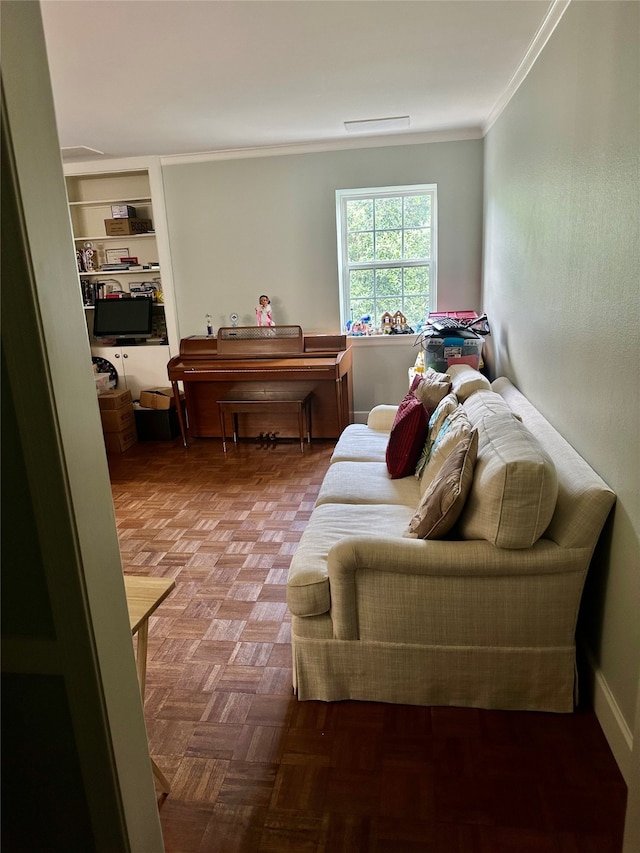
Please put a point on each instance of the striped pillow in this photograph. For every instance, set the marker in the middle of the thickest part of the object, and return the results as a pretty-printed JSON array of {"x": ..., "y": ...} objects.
[{"x": 407, "y": 437}]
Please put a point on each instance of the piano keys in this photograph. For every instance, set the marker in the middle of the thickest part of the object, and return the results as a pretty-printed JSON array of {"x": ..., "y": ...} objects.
[{"x": 209, "y": 367}]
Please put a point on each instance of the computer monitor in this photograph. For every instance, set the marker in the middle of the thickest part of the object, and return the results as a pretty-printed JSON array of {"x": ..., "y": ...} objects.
[{"x": 126, "y": 319}]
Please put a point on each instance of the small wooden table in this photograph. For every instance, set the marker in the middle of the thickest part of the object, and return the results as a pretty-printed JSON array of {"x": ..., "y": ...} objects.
[
  {"x": 144, "y": 595},
  {"x": 275, "y": 396}
]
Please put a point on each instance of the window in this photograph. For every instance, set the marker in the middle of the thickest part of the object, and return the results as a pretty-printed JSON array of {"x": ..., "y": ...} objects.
[{"x": 387, "y": 252}]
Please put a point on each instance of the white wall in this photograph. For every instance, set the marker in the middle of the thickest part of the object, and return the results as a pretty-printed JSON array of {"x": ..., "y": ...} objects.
[
  {"x": 561, "y": 286},
  {"x": 239, "y": 228},
  {"x": 72, "y": 684}
]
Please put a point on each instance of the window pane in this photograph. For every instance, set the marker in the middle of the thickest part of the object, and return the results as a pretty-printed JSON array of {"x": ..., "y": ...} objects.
[
  {"x": 362, "y": 308},
  {"x": 388, "y": 213},
  {"x": 360, "y": 283},
  {"x": 417, "y": 211},
  {"x": 388, "y": 303},
  {"x": 416, "y": 281},
  {"x": 360, "y": 247},
  {"x": 360, "y": 214},
  {"x": 389, "y": 283},
  {"x": 416, "y": 309},
  {"x": 417, "y": 243},
  {"x": 387, "y": 252},
  {"x": 388, "y": 245}
]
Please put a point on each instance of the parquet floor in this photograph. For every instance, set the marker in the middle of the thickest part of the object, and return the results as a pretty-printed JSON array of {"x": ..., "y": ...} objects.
[{"x": 254, "y": 771}]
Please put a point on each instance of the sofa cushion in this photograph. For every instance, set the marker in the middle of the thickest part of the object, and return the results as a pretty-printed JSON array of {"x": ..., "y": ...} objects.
[
  {"x": 431, "y": 387},
  {"x": 442, "y": 502},
  {"x": 407, "y": 437},
  {"x": 360, "y": 443},
  {"x": 483, "y": 402},
  {"x": 456, "y": 426},
  {"x": 308, "y": 579},
  {"x": 351, "y": 482},
  {"x": 444, "y": 408},
  {"x": 514, "y": 489},
  {"x": 465, "y": 380}
]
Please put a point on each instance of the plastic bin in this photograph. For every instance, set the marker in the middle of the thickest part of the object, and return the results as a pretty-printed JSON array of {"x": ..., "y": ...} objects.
[{"x": 441, "y": 352}]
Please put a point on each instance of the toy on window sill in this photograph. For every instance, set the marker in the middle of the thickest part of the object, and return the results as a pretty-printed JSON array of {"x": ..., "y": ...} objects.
[
  {"x": 263, "y": 312},
  {"x": 359, "y": 328},
  {"x": 395, "y": 324}
]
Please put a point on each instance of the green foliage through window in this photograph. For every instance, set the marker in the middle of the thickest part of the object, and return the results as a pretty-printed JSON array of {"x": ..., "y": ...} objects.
[{"x": 387, "y": 246}]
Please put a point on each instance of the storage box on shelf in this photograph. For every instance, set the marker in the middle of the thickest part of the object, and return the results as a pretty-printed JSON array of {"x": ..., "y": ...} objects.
[
  {"x": 122, "y": 211},
  {"x": 126, "y": 225}
]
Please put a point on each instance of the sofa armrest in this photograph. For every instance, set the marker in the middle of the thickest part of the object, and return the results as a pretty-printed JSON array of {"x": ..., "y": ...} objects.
[
  {"x": 382, "y": 417},
  {"x": 435, "y": 562}
]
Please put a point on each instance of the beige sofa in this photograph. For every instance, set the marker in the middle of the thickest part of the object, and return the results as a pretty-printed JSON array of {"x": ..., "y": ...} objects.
[{"x": 483, "y": 618}]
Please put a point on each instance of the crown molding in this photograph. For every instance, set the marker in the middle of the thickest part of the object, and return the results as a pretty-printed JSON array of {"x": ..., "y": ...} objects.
[
  {"x": 551, "y": 20},
  {"x": 380, "y": 141},
  {"x": 556, "y": 10},
  {"x": 110, "y": 164}
]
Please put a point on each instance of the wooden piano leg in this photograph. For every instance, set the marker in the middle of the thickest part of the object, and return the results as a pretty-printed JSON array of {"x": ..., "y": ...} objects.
[
  {"x": 178, "y": 402},
  {"x": 340, "y": 405},
  {"x": 222, "y": 428}
]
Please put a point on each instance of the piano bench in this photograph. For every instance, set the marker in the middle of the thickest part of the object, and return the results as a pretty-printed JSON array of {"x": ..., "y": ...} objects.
[{"x": 278, "y": 397}]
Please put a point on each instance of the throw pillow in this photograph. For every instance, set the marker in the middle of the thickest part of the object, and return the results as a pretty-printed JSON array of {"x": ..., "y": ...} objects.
[
  {"x": 442, "y": 503},
  {"x": 407, "y": 437},
  {"x": 455, "y": 427},
  {"x": 431, "y": 387},
  {"x": 444, "y": 408}
]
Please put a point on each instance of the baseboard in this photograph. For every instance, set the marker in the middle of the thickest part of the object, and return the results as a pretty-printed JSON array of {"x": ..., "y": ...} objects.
[
  {"x": 618, "y": 734},
  {"x": 360, "y": 417}
]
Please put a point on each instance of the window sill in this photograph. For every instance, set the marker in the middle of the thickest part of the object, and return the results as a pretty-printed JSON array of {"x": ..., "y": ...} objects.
[{"x": 381, "y": 340}]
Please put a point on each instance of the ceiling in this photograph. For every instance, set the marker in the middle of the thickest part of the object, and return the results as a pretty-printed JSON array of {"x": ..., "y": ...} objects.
[{"x": 175, "y": 77}]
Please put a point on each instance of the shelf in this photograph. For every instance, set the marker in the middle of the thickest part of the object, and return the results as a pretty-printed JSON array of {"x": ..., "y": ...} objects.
[
  {"x": 111, "y": 273},
  {"x": 90, "y": 199},
  {"x": 156, "y": 305},
  {"x": 107, "y": 202},
  {"x": 120, "y": 237}
]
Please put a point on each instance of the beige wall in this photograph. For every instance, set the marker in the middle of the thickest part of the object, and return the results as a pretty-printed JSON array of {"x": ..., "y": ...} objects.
[
  {"x": 239, "y": 228},
  {"x": 76, "y": 749},
  {"x": 561, "y": 286}
]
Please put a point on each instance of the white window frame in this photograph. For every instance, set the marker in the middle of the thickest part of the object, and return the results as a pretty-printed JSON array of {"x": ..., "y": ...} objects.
[{"x": 342, "y": 196}]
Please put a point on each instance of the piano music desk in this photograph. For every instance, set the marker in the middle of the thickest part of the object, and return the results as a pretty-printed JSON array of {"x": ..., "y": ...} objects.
[{"x": 279, "y": 397}]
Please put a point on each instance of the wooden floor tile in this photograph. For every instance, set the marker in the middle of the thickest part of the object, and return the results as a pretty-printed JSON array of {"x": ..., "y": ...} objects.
[{"x": 252, "y": 770}]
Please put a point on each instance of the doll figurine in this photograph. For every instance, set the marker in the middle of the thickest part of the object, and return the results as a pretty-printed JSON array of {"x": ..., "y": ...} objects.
[{"x": 263, "y": 312}]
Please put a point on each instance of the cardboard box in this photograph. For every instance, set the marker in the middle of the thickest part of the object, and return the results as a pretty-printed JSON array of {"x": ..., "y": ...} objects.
[
  {"x": 115, "y": 399},
  {"x": 156, "y": 398},
  {"x": 157, "y": 425},
  {"x": 123, "y": 211},
  {"x": 124, "y": 227},
  {"x": 117, "y": 420},
  {"x": 118, "y": 442}
]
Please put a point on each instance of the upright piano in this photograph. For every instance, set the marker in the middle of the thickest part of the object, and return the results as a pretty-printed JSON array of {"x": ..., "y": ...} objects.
[{"x": 209, "y": 367}]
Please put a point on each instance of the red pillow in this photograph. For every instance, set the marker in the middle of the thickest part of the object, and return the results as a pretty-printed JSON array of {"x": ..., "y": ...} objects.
[{"x": 407, "y": 438}]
